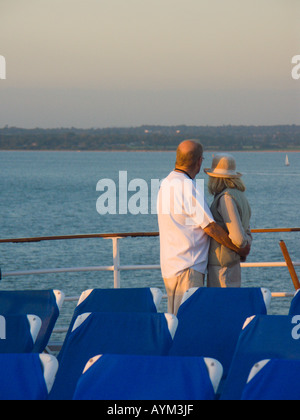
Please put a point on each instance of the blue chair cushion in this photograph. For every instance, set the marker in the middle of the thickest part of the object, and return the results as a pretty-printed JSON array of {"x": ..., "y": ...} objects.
[
  {"x": 265, "y": 337},
  {"x": 108, "y": 332},
  {"x": 22, "y": 377},
  {"x": 18, "y": 337},
  {"x": 127, "y": 377},
  {"x": 277, "y": 381},
  {"x": 210, "y": 322},
  {"x": 295, "y": 305},
  {"x": 116, "y": 300},
  {"x": 38, "y": 302}
]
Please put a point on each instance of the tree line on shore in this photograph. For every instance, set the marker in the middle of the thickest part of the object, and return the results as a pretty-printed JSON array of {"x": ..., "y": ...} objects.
[{"x": 149, "y": 137}]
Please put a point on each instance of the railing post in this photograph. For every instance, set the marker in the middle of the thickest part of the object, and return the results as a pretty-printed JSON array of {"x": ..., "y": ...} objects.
[
  {"x": 116, "y": 263},
  {"x": 290, "y": 265}
]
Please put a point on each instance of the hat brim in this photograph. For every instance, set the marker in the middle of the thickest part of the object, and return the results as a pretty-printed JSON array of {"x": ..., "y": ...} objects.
[{"x": 214, "y": 174}]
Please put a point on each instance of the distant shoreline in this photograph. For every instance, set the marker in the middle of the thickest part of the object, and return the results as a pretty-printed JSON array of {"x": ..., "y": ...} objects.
[
  {"x": 149, "y": 151},
  {"x": 152, "y": 138}
]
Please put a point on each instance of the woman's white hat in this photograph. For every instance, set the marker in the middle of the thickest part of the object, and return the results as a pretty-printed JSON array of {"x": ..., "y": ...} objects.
[{"x": 223, "y": 166}]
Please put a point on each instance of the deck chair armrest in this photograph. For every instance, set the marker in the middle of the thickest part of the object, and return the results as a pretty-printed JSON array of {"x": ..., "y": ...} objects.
[
  {"x": 80, "y": 320},
  {"x": 157, "y": 295},
  {"x": 172, "y": 322},
  {"x": 267, "y": 296},
  {"x": 35, "y": 326},
  {"x": 256, "y": 368},
  {"x": 215, "y": 371},
  {"x": 60, "y": 297},
  {"x": 50, "y": 367}
]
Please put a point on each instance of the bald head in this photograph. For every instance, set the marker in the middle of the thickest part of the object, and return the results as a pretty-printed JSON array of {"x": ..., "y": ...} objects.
[{"x": 188, "y": 155}]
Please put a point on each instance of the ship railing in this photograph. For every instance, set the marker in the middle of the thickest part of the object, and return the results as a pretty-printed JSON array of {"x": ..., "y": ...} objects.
[{"x": 117, "y": 267}]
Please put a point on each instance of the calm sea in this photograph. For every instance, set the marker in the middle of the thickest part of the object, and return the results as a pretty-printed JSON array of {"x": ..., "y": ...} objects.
[{"x": 54, "y": 193}]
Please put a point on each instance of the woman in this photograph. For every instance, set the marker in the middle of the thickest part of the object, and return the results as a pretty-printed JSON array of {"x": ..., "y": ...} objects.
[{"x": 231, "y": 210}]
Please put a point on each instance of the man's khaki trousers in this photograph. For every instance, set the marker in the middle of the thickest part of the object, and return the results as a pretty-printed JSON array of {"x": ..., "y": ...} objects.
[{"x": 177, "y": 286}]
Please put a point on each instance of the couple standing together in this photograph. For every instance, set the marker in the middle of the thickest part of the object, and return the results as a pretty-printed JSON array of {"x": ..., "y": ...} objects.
[{"x": 196, "y": 239}]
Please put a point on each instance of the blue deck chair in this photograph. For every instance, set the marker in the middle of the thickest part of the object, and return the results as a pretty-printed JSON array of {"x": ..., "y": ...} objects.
[
  {"x": 110, "y": 332},
  {"x": 123, "y": 377},
  {"x": 26, "y": 376},
  {"x": 144, "y": 299},
  {"x": 265, "y": 337},
  {"x": 210, "y": 321},
  {"x": 295, "y": 304},
  {"x": 43, "y": 303},
  {"x": 18, "y": 333},
  {"x": 273, "y": 380},
  {"x": 118, "y": 300}
]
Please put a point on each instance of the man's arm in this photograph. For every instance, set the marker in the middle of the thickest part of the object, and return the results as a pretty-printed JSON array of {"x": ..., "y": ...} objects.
[{"x": 218, "y": 233}]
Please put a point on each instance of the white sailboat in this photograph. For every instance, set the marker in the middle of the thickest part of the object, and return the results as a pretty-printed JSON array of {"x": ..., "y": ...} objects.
[{"x": 287, "y": 163}]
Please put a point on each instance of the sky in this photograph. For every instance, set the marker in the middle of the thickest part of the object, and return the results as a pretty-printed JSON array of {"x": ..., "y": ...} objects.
[{"x": 118, "y": 63}]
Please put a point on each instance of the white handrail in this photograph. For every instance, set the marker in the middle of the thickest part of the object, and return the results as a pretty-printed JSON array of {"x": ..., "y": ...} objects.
[
  {"x": 269, "y": 264},
  {"x": 117, "y": 268}
]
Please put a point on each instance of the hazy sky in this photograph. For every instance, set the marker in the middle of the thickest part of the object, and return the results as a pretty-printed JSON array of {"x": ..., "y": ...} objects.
[{"x": 99, "y": 63}]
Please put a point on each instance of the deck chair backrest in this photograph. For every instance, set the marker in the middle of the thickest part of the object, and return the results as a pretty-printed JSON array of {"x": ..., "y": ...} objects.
[
  {"x": 295, "y": 304},
  {"x": 43, "y": 303},
  {"x": 117, "y": 300},
  {"x": 211, "y": 319},
  {"x": 131, "y": 377},
  {"x": 18, "y": 333},
  {"x": 109, "y": 332},
  {"x": 144, "y": 299},
  {"x": 264, "y": 337},
  {"x": 273, "y": 380},
  {"x": 26, "y": 376}
]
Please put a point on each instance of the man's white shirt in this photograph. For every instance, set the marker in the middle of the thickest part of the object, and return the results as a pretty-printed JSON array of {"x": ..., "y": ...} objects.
[{"x": 182, "y": 215}]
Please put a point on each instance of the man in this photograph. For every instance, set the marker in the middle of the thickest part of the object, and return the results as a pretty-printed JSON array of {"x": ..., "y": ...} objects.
[{"x": 185, "y": 226}]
